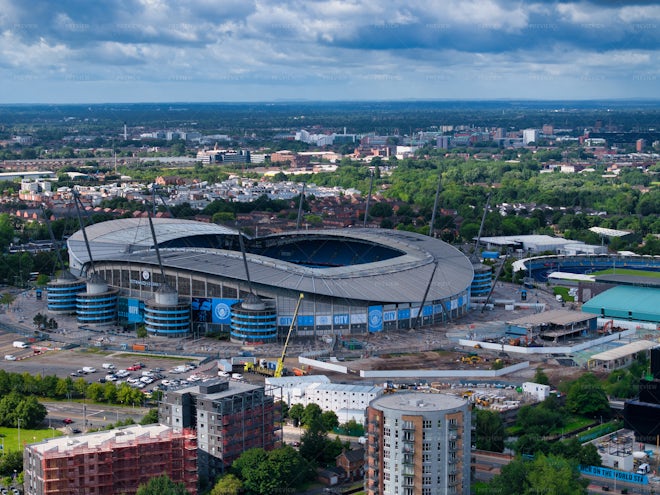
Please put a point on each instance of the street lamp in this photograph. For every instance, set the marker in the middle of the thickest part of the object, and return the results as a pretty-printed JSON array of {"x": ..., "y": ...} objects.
[{"x": 19, "y": 433}]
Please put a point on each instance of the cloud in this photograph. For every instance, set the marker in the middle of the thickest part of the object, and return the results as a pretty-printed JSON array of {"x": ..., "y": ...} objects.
[{"x": 329, "y": 47}]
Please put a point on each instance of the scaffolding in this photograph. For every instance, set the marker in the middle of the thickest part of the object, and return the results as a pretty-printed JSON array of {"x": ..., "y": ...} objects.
[{"x": 117, "y": 464}]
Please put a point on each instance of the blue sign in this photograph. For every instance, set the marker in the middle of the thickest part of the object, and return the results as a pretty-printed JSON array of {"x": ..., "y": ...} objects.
[
  {"x": 404, "y": 314},
  {"x": 222, "y": 310},
  {"x": 285, "y": 321},
  {"x": 389, "y": 315},
  {"x": 130, "y": 310},
  {"x": 341, "y": 319},
  {"x": 437, "y": 309},
  {"x": 427, "y": 311},
  {"x": 613, "y": 474},
  {"x": 202, "y": 309},
  {"x": 306, "y": 320},
  {"x": 375, "y": 318}
]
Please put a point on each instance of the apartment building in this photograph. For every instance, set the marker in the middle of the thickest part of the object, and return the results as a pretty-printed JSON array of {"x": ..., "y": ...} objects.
[
  {"x": 114, "y": 462},
  {"x": 418, "y": 444},
  {"x": 229, "y": 416}
]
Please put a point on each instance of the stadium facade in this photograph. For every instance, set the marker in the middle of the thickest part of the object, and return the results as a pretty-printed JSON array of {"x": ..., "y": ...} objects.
[{"x": 354, "y": 281}]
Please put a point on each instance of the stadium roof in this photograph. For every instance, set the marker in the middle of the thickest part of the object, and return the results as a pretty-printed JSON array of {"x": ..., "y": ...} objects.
[
  {"x": 627, "y": 303},
  {"x": 608, "y": 232},
  {"x": 392, "y": 280}
]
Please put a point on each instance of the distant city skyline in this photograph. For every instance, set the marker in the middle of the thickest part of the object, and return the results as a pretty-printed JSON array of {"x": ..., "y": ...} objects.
[{"x": 241, "y": 50}]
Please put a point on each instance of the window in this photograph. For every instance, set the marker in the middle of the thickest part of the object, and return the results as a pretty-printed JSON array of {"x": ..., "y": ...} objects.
[
  {"x": 427, "y": 423},
  {"x": 426, "y": 446},
  {"x": 426, "y": 457},
  {"x": 426, "y": 470},
  {"x": 426, "y": 480}
]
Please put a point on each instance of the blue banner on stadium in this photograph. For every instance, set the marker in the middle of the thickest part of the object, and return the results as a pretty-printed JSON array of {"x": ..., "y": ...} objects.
[
  {"x": 614, "y": 474},
  {"x": 130, "y": 310},
  {"x": 222, "y": 310},
  {"x": 375, "y": 318}
]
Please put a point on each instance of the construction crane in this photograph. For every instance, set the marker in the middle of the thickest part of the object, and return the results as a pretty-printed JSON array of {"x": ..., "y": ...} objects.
[{"x": 280, "y": 362}]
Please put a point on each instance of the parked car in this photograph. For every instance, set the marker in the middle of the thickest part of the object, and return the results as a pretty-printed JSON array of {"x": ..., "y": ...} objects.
[
  {"x": 67, "y": 421},
  {"x": 10, "y": 357}
]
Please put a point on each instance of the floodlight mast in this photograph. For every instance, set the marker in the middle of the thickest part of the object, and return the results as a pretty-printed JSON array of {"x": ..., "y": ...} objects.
[
  {"x": 155, "y": 240},
  {"x": 78, "y": 203},
  {"x": 52, "y": 237}
]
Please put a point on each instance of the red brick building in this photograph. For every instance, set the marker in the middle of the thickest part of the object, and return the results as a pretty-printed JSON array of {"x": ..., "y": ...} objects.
[{"x": 111, "y": 462}]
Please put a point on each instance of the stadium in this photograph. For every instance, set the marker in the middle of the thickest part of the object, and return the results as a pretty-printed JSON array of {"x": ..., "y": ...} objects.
[{"x": 353, "y": 281}]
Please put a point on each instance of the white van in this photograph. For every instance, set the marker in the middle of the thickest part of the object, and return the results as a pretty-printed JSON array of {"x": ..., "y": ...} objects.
[
  {"x": 20, "y": 345},
  {"x": 88, "y": 369},
  {"x": 108, "y": 366},
  {"x": 644, "y": 469}
]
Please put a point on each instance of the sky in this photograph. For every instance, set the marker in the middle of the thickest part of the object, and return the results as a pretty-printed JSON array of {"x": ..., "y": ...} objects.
[{"x": 99, "y": 51}]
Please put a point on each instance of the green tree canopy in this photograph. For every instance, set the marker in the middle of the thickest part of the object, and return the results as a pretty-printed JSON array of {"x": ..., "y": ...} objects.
[
  {"x": 162, "y": 485},
  {"x": 552, "y": 475},
  {"x": 229, "y": 484},
  {"x": 489, "y": 431},
  {"x": 587, "y": 396}
]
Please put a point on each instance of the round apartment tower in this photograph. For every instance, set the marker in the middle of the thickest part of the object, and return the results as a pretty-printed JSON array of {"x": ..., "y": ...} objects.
[{"x": 418, "y": 444}]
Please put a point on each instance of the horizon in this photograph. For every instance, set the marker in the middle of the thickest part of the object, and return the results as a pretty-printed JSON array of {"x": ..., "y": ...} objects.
[{"x": 632, "y": 100}]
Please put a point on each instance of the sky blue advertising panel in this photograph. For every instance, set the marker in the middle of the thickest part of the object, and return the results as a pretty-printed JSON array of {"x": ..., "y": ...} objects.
[
  {"x": 341, "y": 319},
  {"x": 404, "y": 314},
  {"x": 284, "y": 321},
  {"x": 130, "y": 310},
  {"x": 375, "y": 318},
  {"x": 306, "y": 320},
  {"x": 614, "y": 474},
  {"x": 427, "y": 311},
  {"x": 389, "y": 315},
  {"x": 222, "y": 310}
]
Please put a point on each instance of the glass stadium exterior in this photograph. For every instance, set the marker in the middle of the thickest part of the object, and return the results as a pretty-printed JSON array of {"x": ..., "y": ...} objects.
[{"x": 354, "y": 281}]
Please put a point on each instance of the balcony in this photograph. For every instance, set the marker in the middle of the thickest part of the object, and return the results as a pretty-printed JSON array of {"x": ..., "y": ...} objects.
[
  {"x": 408, "y": 469},
  {"x": 408, "y": 481}
]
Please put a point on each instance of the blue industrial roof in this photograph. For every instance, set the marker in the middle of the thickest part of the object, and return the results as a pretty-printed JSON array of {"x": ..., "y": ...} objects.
[{"x": 625, "y": 302}]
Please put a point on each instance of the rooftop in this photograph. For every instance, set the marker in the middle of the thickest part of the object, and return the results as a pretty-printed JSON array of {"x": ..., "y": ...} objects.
[
  {"x": 554, "y": 317},
  {"x": 418, "y": 402}
]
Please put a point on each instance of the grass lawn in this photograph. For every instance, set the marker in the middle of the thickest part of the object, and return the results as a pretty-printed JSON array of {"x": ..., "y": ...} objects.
[
  {"x": 9, "y": 436},
  {"x": 574, "y": 423},
  {"x": 564, "y": 293},
  {"x": 624, "y": 271}
]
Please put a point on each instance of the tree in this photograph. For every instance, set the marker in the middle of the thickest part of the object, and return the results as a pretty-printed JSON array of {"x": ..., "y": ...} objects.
[
  {"x": 555, "y": 475},
  {"x": 162, "y": 485},
  {"x": 587, "y": 396},
  {"x": 490, "y": 431},
  {"x": 544, "y": 474},
  {"x": 7, "y": 298},
  {"x": 141, "y": 332},
  {"x": 381, "y": 210},
  {"x": 150, "y": 418},
  {"x": 311, "y": 416},
  {"x": 296, "y": 413},
  {"x": 540, "y": 377},
  {"x": 229, "y": 484},
  {"x": 329, "y": 420}
]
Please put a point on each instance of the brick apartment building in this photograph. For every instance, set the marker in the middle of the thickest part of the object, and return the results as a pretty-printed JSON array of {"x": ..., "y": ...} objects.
[
  {"x": 229, "y": 416},
  {"x": 114, "y": 462}
]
